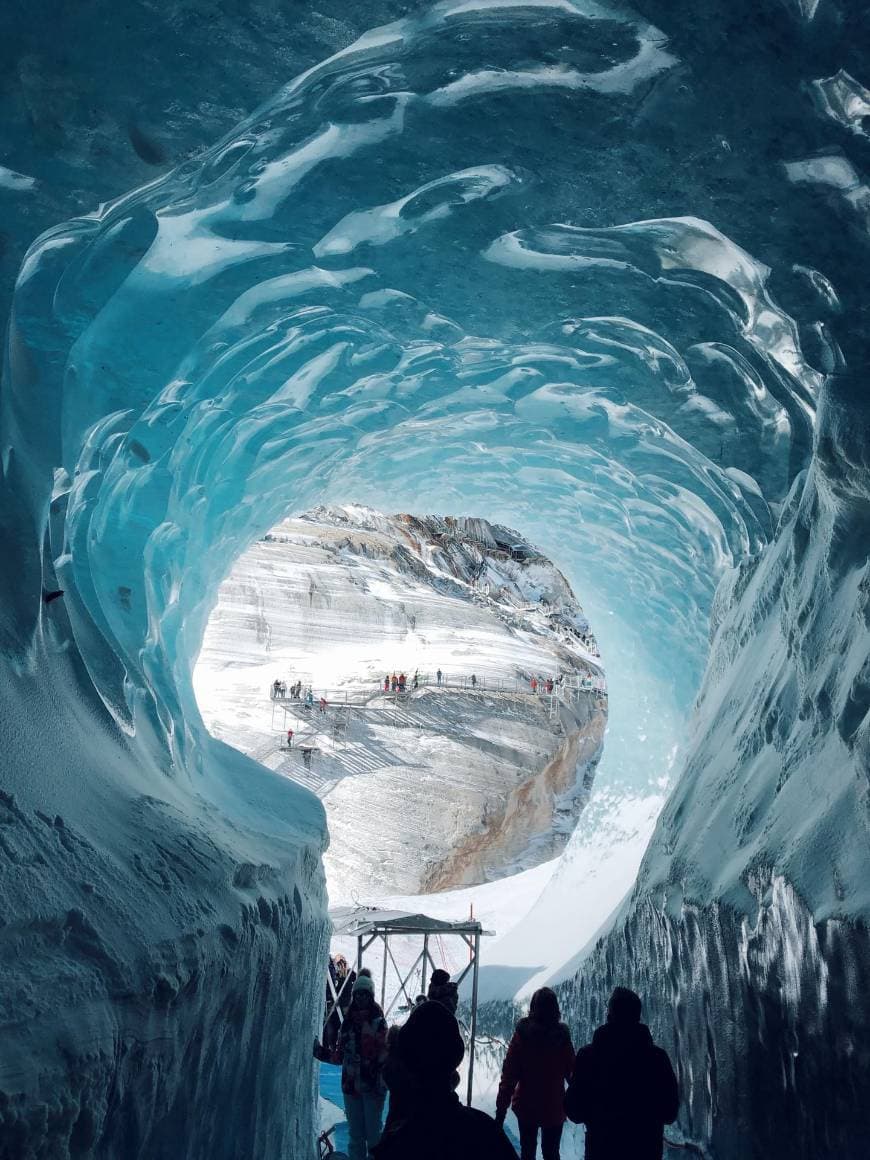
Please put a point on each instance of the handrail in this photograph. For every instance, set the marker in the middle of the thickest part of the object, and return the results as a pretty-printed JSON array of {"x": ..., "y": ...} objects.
[{"x": 361, "y": 698}]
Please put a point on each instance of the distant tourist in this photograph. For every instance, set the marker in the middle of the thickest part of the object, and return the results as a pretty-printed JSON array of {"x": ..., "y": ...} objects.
[
  {"x": 402, "y": 682},
  {"x": 276, "y": 689},
  {"x": 338, "y": 995},
  {"x": 438, "y": 676},
  {"x": 387, "y": 683},
  {"x": 362, "y": 1053},
  {"x": 623, "y": 1088},
  {"x": 432, "y": 1123},
  {"x": 394, "y": 682},
  {"x": 289, "y": 738},
  {"x": 534, "y": 684},
  {"x": 538, "y": 1064}
]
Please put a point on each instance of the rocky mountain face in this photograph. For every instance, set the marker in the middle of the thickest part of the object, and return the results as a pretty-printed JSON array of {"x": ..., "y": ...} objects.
[{"x": 445, "y": 783}]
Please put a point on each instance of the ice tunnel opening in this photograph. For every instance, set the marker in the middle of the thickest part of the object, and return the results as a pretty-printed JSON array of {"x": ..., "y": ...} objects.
[
  {"x": 359, "y": 293},
  {"x": 497, "y": 702}
]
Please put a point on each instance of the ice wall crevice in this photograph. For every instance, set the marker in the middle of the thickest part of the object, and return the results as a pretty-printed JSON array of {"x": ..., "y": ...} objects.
[{"x": 753, "y": 896}]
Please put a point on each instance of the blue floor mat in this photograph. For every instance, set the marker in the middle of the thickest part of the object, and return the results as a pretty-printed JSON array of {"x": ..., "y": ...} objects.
[{"x": 330, "y": 1089}]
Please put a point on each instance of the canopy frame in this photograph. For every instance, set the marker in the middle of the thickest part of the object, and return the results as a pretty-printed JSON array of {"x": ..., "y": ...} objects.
[{"x": 371, "y": 927}]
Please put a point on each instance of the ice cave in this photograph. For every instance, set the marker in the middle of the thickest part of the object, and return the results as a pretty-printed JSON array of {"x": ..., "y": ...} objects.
[{"x": 594, "y": 275}]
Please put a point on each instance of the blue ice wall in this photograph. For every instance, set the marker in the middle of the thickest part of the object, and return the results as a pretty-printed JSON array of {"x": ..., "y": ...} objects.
[{"x": 531, "y": 261}]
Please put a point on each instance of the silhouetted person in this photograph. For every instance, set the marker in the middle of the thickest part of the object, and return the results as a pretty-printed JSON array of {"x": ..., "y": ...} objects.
[
  {"x": 442, "y": 990},
  {"x": 538, "y": 1064},
  {"x": 623, "y": 1088},
  {"x": 438, "y": 676},
  {"x": 431, "y": 1123}
]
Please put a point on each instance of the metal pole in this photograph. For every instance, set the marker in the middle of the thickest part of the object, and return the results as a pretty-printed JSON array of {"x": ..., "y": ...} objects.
[
  {"x": 425, "y": 961},
  {"x": 384, "y": 975},
  {"x": 358, "y": 952},
  {"x": 473, "y": 1016}
]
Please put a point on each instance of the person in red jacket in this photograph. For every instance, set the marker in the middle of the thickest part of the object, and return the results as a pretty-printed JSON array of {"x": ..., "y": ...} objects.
[{"x": 537, "y": 1066}]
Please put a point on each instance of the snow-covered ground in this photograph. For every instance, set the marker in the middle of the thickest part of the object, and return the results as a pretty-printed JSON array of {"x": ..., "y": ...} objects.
[{"x": 454, "y": 783}]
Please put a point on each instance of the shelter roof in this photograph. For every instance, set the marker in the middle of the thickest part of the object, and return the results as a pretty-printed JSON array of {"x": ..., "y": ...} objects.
[{"x": 362, "y": 920}]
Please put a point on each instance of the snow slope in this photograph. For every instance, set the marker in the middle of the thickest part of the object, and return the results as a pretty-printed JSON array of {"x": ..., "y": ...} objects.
[{"x": 445, "y": 785}]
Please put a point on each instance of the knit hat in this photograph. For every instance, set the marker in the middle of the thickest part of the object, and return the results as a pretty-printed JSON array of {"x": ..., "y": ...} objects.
[
  {"x": 364, "y": 983},
  {"x": 430, "y": 1044},
  {"x": 624, "y": 1006}
]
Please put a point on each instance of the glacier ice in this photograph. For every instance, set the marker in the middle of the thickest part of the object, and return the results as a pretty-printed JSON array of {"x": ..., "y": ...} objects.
[{"x": 598, "y": 276}]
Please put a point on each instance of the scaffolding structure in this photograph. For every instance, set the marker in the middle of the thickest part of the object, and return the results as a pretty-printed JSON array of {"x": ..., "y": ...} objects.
[{"x": 370, "y": 926}]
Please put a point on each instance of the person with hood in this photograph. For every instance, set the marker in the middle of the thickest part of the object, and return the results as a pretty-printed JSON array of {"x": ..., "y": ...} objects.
[
  {"x": 623, "y": 1088},
  {"x": 362, "y": 1053},
  {"x": 431, "y": 1123},
  {"x": 442, "y": 990},
  {"x": 538, "y": 1064}
]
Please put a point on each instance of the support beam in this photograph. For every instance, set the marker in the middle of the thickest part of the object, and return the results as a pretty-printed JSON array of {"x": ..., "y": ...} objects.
[
  {"x": 384, "y": 974},
  {"x": 473, "y": 1032}
]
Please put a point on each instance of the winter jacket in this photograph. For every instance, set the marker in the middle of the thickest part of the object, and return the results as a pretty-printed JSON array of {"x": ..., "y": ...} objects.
[
  {"x": 362, "y": 1051},
  {"x": 443, "y": 1129},
  {"x": 406, "y": 1089},
  {"x": 538, "y": 1064},
  {"x": 624, "y": 1090}
]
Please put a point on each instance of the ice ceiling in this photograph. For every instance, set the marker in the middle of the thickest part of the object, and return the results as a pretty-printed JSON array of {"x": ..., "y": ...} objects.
[
  {"x": 367, "y": 290},
  {"x": 517, "y": 259}
]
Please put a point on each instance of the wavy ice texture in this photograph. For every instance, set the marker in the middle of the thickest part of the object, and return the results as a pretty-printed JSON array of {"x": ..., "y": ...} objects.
[{"x": 369, "y": 289}]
